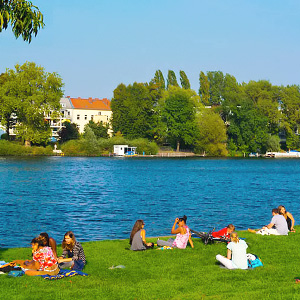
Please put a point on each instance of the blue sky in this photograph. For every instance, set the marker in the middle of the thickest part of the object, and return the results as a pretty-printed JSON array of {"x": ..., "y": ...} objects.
[{"x": 94, "y": 45}]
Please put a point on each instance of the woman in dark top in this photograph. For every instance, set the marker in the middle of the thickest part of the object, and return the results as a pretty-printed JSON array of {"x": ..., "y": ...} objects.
[
  {"x": 138, "y": 237},
  {"x": 288, "y": 216},
  {"x": 73, "y": 255}
]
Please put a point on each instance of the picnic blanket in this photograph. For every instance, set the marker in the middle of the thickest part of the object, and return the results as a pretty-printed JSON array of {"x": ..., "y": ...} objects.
[{"x": 64, "y": 273}]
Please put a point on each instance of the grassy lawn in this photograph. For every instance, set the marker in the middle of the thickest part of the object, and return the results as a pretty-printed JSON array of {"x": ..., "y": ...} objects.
[{"x": 167, "y": 274}]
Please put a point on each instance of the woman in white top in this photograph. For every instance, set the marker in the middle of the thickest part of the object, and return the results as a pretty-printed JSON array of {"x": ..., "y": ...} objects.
[{"x": 236, "y": 254}]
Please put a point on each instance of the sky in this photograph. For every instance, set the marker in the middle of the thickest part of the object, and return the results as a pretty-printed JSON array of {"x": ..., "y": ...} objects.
[{"x": 95, "y": 45}]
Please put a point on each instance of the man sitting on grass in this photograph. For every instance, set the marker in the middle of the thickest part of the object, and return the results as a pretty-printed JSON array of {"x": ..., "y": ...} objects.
[{"x": 278, "y": 225}]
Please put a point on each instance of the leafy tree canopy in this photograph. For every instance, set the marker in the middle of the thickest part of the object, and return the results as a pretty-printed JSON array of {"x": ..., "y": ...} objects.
[
  {"x": 24, "y": 18},
  {"x": 31, "y": 94}
]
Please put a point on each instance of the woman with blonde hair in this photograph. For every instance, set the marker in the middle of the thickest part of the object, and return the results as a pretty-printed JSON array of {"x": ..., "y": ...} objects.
[
  {"x": 138, "y": 237},
  {"x": 73, "y": 255},
  {"x": 288, "y": 217},
  {"x": 236, "y": 254}
]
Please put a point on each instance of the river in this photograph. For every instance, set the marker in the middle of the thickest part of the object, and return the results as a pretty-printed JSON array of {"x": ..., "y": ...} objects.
[{"x": 100, "y": 198}]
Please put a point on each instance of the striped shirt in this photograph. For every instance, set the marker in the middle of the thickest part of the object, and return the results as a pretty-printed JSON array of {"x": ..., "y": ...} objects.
[{"x": 76, "y": 253}]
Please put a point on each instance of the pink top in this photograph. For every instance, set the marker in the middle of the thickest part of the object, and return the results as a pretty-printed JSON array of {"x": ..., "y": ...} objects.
[
  {"x": 45, "y": 257},
  {"x": 182, "y": 239}
]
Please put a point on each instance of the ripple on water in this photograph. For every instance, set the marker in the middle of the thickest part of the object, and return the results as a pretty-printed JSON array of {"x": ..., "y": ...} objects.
[{"x": 100, "y": 198}]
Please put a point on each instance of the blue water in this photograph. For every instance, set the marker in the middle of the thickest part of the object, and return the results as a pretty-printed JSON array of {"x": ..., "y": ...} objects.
[{"x": 100, "y": 198}]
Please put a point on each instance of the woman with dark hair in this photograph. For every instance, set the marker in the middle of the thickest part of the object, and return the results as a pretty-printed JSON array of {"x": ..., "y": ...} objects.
[
  {"x": 43, "y": 261},
  {"x": 183, "y": 235},
  {"x": 73, "y": 255},
  {"x": 49, "y": 242},
  {"x": 138, "y": 237},
  {"x": 288, "y": 217}
]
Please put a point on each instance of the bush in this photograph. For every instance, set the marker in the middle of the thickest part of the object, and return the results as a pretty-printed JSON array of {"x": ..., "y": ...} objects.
[
  {"x": 11, "y": 148},
  {"x": 73, "y": 148},
  {"x": 143, "y": 145}
]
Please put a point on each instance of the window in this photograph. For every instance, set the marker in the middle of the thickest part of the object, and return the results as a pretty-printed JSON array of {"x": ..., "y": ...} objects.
[
  {"x": 92, "y": 117},
  {"x": 99, "y": 113},
  {"x": 68, "y": 113},
  {"x": 63, "y": 104},
  {"x": 85, "y": 117},
  {"x": 78, "y": 117}
]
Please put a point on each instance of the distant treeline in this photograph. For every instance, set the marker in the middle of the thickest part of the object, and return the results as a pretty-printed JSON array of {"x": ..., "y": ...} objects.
[{"x": 225, "y": 116}]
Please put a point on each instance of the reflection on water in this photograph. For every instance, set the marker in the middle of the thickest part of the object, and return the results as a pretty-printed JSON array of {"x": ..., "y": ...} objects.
[{"x": 100, "y": 198}]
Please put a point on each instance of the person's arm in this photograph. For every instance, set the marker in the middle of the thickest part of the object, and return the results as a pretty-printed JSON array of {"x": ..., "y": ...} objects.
[
  {"x": 270, "y": 225},
  {"x": 52, "y": 244},
  {"x": 190, "y": 240},
  {"x": 228, "y": 253},
  {"x": 63, "y": 258},
  {"x": 292, "y": 219},
  {"x": 177, "y": 230},
  {"x": 143, "y": 235}
]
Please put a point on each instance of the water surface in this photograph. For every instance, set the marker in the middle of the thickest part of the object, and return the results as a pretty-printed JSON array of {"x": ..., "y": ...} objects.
[{"x": 100, "y": 198}]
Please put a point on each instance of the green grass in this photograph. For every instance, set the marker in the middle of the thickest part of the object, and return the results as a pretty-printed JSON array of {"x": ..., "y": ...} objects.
[{"x": 167, "y": 274}]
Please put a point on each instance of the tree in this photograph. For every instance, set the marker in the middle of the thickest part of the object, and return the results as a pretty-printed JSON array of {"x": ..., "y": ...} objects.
[
  {"x": 68, "y": 132},
  {"x": 133, "y": 110},
  {"x": 185, "y": 83},
  {"x": 7, "y": 104},
  {"x": 171, "y": 80},
  {"x": 248, "y": 128},
  {"x": 178, "y": 113},
  {"x": 32, "y": 94},
  {"x": 211, "y": 137},
  {"x": 204, "y": 89},
  {"x": 99, "y": 129},
  {"x": 216, "y": 87},
  {"x": 25, "y": 18},
  {"x": 159, "y": 80}
]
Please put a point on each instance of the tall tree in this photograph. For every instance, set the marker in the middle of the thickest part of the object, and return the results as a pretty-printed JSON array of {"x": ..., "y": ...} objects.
[
  {"x": 159, "y": 80},
  {"x": 204, "y": 89},
  {"x": 133, "y": 110},
  {"x": 171, "y": 80},
  {"x": 178, "y": 113},
  {"x": 34, "y": 94},
  {"x": 211, "y": 137},
  {"x": 185, "y": 83},
  {"x": 25, "y": 18},
  {"x": 216, "y": 87}
]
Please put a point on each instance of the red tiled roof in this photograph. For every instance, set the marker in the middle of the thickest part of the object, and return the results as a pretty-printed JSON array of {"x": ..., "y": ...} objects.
[{"x": 97, "y": 104}]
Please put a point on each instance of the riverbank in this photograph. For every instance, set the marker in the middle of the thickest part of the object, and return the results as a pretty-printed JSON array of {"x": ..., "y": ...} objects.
[{"x": 167, "y": 274}]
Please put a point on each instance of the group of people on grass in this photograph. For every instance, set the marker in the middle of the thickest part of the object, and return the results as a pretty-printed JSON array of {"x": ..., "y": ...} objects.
[
  {"x": 281, "y": 223},
  {"x": 44, "y": 256}
]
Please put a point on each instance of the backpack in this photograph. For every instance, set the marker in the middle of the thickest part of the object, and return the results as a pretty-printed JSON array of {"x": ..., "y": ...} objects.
[{"x": 253, "y": 261}]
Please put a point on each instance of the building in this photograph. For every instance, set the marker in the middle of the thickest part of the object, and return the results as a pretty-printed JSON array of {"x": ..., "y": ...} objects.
[{"x": 80, "y": 111}]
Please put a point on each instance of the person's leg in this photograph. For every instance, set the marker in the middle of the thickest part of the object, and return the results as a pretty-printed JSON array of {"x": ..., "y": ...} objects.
[
  {"x": 78, "y": 265},
  {"x": 162, "y": 243},
  {"x": 66, "y": 265},
  {"x": 225, "y": 261},
  {"x": 272, "y": 231}
]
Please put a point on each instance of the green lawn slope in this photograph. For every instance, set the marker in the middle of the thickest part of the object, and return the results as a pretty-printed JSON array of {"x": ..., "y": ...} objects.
[{"x": 167, "y": 274}]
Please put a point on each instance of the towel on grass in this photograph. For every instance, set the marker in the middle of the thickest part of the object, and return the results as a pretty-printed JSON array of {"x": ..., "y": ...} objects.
[{"x": 64, "y": 273}]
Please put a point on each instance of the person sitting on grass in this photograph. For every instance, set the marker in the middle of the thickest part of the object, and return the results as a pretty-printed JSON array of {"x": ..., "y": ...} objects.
[
  {"x": 236, "y": 254},
  {"x": 43, "y": 261},
  {"x": 138, "y": 237},
  {"x": 49, "y": 242},
  {"x": 278, "y": 225},
  {"x": 288, "y": 217},
  {"x": 224, "y": 233},
  {"x": 73, "y": 256},
  {"x": 183, "y": 235}
]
